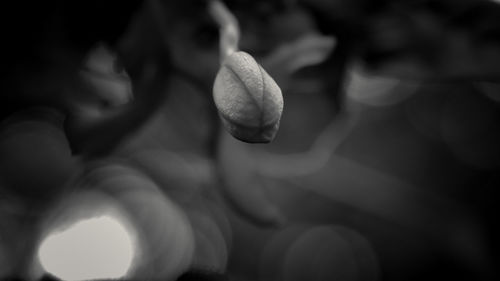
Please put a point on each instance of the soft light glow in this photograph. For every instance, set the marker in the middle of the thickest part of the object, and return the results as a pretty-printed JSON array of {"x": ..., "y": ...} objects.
[{"x": 90, "y": 249}]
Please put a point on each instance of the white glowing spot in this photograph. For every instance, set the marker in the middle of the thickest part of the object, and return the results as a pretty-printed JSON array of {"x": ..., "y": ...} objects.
[{"x": 89, "y": 249}]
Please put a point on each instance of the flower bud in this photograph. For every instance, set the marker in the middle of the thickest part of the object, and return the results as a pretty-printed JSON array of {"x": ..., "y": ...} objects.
[{"x": 248, "y": 100}]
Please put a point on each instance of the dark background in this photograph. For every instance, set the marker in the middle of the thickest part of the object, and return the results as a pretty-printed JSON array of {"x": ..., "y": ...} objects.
[{"x": 385, "y": 166}]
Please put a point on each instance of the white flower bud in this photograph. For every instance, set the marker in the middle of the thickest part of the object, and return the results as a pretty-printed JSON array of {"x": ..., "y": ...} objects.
[{"x": 249, "y": 101}]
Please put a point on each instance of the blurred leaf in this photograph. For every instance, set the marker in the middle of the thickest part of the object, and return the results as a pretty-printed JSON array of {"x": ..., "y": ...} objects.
[
  {"x": 308, "y": 50},
  {"x": 375, "y": 90},
  {"x": 242, "y": 186},
  {"x": 105, "y": 78}
]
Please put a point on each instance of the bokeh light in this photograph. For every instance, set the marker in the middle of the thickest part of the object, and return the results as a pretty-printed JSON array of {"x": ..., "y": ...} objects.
[{"x": 89, "y": 249}]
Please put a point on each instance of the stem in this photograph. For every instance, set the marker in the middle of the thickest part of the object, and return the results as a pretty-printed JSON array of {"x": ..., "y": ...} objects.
[
  {"x": 159, "y": 18},
  {"x": 228, "y": 26}
]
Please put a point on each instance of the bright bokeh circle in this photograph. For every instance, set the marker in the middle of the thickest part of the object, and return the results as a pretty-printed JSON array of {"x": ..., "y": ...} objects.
[{"x": 94, "y": 248}]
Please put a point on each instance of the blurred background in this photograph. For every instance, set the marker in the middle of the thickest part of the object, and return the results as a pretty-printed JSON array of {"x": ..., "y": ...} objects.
[{"x": 114, "y": 163}]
